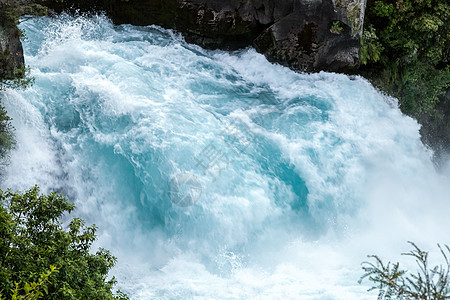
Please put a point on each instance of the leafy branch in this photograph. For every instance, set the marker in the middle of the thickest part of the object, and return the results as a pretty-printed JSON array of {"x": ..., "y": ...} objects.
[{"x": 392, "y": 282}]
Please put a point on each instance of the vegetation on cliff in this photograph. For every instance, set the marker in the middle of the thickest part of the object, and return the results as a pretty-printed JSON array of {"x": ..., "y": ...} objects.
[
  {"x": 405, "y": 47},
  {"x": 6, "y": 133}
]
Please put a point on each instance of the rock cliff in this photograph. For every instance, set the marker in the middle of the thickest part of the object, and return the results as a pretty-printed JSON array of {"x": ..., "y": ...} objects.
[
  {"x": 11, "y": 53},
  {"x": 310, "y": 35}
]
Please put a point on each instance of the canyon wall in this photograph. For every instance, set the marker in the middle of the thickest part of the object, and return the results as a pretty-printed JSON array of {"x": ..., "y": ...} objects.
[{"x": 307, "y": 35}]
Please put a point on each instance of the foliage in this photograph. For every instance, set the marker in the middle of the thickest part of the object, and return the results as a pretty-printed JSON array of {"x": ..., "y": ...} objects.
[
  {"x": 414, "y": 29},
  {"x": 22, "y": 79},
  {"x": 11, "y": 11},
  {"x": 428, "y": 283},
  {"x": 406, "y": 43},
  {"x": 6, "y": 133},
  {"x": 421, "y": 84},
  {"x": 33, "y": 241},
  {"x": 336, "y": 27},
  {"x": 33, "y": 290},
  {"x": 371, "y": 48}
]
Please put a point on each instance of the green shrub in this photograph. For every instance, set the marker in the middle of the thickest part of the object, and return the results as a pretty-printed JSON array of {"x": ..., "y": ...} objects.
[
  {"x": 6, "y": 133},
  {"x": 38, "y": 257},
  {"x": 336, "y": 27},
  {"x": 409, "y": 41},
  {"x": 371, "y": 48}
]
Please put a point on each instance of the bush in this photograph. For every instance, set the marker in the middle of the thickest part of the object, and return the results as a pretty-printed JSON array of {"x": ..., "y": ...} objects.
[
  {"x": 405, "y": 50},
  {"x": 410, "y": 41},
  {"x": 6, "y": 133},
  {"x": 394, "y": 283},
  {"x": 38, "y": 257},
  {"x": 371, "y": 48}
]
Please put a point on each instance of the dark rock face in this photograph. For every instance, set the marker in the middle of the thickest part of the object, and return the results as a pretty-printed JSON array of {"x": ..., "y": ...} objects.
[
  {"x": 310, "y": 35},
  {"x": 11, "y": 52},
  {"x": 304, "y": 39}
]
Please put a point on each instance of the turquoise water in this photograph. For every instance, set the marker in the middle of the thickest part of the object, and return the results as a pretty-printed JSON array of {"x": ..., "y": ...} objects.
[{"x": 215, "y": 174}]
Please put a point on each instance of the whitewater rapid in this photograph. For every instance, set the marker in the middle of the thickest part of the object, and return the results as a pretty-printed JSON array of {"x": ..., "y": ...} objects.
[{"x": 216, "y": 175}]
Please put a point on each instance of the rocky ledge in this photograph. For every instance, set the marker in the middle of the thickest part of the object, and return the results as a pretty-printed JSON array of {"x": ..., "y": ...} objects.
[
  {"x": 11, "y": 52},
  {"x": 307, "y": 35}
]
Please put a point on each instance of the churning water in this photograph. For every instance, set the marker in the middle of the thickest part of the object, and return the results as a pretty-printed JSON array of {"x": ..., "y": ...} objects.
[{"x": 220, "y": 175}]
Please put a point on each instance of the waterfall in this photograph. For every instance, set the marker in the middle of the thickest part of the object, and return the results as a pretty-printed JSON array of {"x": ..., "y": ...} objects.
[{"x": 219, "y": 175}]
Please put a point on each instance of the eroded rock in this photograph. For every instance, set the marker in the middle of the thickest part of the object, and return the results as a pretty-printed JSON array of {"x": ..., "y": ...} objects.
[{"x": 310, "y": 35}]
